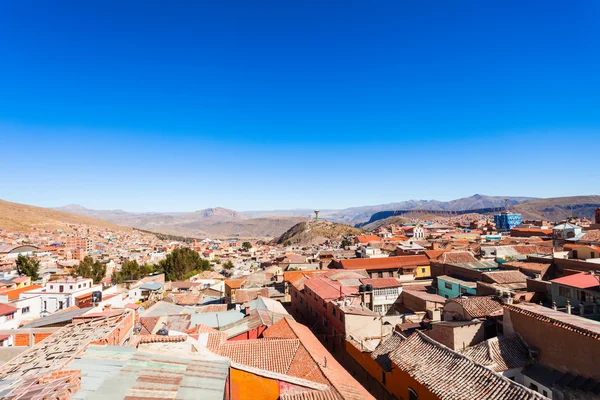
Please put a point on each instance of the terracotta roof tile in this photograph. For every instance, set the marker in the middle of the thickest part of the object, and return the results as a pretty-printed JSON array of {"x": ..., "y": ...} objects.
[
  {"x": 478, "y": 306},
  {"x": 500, "y": 354},
  {"x": 452, "y": 257},
  {"x": 452, "y": 376},
  {"x": 397, "y": 262}
]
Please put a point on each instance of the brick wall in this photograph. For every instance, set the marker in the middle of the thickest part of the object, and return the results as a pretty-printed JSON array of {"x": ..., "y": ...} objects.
[
  {"x": 559, "y": 348},
  {"x": 21, "y": 339}
]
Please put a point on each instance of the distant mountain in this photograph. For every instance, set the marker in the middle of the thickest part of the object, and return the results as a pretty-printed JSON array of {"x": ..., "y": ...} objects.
[
  {"x": 223, "y": 222},
  {"x": 317, "y": 232},
  {"x": 559, "y": 208},
  {"x": 215, "y": 222},
  {"x": 355, "y": 215},
  {"x": 14, "y": 216}
]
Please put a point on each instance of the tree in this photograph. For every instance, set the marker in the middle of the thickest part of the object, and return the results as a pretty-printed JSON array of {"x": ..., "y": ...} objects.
[
  {"x": 181, "y": 264},
  {"x": 90, "y": 268},
  {"x": 228, "y": 265},
  {"x": 247, "y": 246},
  {"x": 346, "y": 243},
  {"x": 28, "y": 265}
]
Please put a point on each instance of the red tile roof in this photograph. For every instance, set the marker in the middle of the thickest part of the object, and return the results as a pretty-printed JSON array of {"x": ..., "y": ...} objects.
[
  {"x": 381, "y": 283},
  {"x": 234, "y": 283},
  {"x": 311, "y": 364},
  {"x": 272, "y": 355},
  {"x": 13, "y": 294},
  {"x": 293, "y": 276},
  {"x": 431, "y": 254},
  {"x": 368, "y": 238},
  {"x": 246, "y": 295},
  {"x": 452, "y": 257},
  {"x": 371, "y": 264},
  {"x": 580, "y": 281},
  {"x": 6, "y": 309}
]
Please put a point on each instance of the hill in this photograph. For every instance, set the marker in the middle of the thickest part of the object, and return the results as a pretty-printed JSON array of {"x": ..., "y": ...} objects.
[
  {"x": 558, "y": 208},
  {"x": 15, "y": 216},
  {"x": 215, "y": 222},
  {"x": 357, "y": 215},
  {"x": 317, "y": 232},
  {"x": 397, "y": 220}
]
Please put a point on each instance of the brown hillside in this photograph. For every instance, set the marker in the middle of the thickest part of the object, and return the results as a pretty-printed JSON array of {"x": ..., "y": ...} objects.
[
  {"x": 558, "y": 208},
  {"x": 14, "y": 216}
]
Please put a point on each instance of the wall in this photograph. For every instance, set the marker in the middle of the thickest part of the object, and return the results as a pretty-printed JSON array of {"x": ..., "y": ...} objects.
[
  {"x": 457, "y": 337},
  {"x": 455, "y": 291},
  {"x": 366, "y": 371},
  {"x": 423, "y": 271},
  {"x": 398, "y": 383},
  {"x": 559, "y": 348},
  {"x": 245, "y": 386}
]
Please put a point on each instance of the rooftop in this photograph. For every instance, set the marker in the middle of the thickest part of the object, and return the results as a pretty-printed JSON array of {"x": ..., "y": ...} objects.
[
  {"x": 398, "y": 262},
  {"x": 574, "y": 323},
  {"x": 500, "y": 354},
  {"x": 581, "y": 281},
  {"x": 452, "y": 376}
]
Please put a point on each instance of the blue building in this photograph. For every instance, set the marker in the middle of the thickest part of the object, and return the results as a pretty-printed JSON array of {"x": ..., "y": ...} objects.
[
  {"x": 506, "y": 221},
  {"x": 451, "y": 287}
]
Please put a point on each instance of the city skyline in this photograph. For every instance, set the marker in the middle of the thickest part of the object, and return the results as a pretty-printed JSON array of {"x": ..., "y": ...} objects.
[{"x": 145, "y": 107}]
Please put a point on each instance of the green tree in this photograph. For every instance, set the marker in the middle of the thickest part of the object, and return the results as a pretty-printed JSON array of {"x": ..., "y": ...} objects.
[
  {"x": 90, "y": 268},
  {"x": 116, "y": 278},
  {"x": 181, "y": 264},
  {"x": 130, "y": 270},
  {"x": 346, "y": 243},
  {"x": 228, "y": 265},
  {"x": 28, "y": 265},
  {"x": 247, "y": 246}
]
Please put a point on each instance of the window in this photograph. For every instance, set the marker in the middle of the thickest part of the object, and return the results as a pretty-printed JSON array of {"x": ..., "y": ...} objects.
[
  {"x": 533, "y": 387},
  {"x": 10, "y": 316},
  {"x": 575, "y": 254},
  {"x": 24, "y": 310},
  {"x": 383, "y": 377},
  {"x": 60, "y": 305},
  {"x": 380, "y": 274},
  {"x": 79, "y": 286},
  {"x": 564, "y": 291},
  {"x": 45, "y": 305},
  {"x": 301, "y": 300},
  {"x": 448, "y": 285},
  {"x": 423, "y": 270},
  {"x": 324, "y": 304},
  {"x": 341, "y": 317},
  {"x": 412, "y": 395},
  {"x": 333, "y": 310},
  {"x": 463, "y": 289},
  {"x": 545, "y": 393},
  {"x": 71, "y": 287},
  {"x": 61, "y": 288},
  {"x": 51, "y": 287}
]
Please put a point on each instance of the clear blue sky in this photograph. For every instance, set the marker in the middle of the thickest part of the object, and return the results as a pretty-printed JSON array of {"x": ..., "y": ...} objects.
[{"x": 177, "y": 106}]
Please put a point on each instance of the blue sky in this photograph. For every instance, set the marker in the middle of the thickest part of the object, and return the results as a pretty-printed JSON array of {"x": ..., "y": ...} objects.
[{"x": 162, "y": 106}]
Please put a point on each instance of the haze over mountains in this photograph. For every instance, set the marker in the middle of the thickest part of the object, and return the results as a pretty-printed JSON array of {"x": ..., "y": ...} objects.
[{"x": 222, "y": 222}]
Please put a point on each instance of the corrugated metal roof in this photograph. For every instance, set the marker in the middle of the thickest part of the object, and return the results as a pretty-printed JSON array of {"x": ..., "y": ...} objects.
[
  {"x": 117, "y": 372},
  {"x": 65, "y": 316}
]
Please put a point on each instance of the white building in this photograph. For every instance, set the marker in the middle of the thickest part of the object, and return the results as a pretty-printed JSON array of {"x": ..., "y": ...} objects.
[{"x": 64, "y": 293}]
